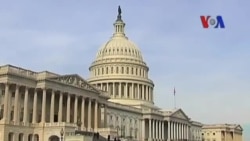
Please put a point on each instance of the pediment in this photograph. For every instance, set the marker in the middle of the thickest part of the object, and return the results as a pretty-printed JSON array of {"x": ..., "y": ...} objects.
[
  {"x": 75, "y": 80},
  {"x": 239, "y": 128},
  {"x": 179, "y": 114}
]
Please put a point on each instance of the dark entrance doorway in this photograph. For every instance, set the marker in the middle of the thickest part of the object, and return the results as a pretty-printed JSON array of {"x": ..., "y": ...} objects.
[{"x": 54, "y": 138}]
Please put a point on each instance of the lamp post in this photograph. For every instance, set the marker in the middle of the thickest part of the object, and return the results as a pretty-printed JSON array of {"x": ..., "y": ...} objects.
[
  {"x": 62, "y": 133},
  {"x": 79, "y": 123}
]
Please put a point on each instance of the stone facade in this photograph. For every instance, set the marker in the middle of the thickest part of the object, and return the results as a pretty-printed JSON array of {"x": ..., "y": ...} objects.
[
  {"x": 222, "y": 132},
  {"x": 196, "y": 131}
]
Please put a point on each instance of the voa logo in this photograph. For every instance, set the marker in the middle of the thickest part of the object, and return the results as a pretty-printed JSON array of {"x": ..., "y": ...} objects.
[{"x": 208, "y": 22}]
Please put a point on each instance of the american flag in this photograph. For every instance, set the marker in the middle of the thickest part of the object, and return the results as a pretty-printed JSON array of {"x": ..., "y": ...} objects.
[{"x": 174, "y": 91}]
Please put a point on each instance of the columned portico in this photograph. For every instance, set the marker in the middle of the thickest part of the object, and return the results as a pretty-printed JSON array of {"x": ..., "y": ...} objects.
[{"x": 27, "y": 114}]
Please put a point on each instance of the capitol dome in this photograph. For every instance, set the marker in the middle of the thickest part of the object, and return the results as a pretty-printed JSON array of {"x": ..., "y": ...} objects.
[
  {"x": 119, "y": 47},
  {"x": 120, "y": 70}
]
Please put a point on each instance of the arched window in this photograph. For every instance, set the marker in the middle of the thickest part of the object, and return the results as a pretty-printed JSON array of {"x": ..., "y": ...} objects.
[
  {"x": 117, "y": 70},
  {"x": 1, "y": 111},
  {"x": 20, "y": 137},
  {"x": 11, "y": 136},
  {"x": 122, "y": 70},
  {"x": 54, "y": 138},
  {"x": 30, "y": 137},
  {"x": 36, "y": 137}
]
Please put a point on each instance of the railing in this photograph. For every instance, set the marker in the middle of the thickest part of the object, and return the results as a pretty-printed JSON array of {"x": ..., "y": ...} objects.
[
  {"x": 46, "y": 74},
  {"x": 152, "y": 111},
  {"x": 120, "y": 106},
  {"x": 60, "y": 124},
  {"x": 28, "y": 124}
]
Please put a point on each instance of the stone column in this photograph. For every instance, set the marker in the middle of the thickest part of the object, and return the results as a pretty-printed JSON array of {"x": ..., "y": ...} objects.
[
  {"x": 113, "y": 89},
  {"x": 172, "y": 130},
  {"x": 180, "y": 130},
  {"x": 34, "y": 118},
  {"x": 142, "y": 92},
  {"x": 132, "y": 90},
  {"x": 163, "y": 131},
  {"x": 101, "y": 86},
  {"x": 126, "y": 90},
  {"x": 96, "y": 115},
  {"x": 16, "y": 106},
  {"x": 44, "y": 106},
  {"x": 83, "y": 113},
  {"x": 169, "y": 128},
  {"x": 152, "y": 95},
  {"x": 160, "y": 131},
  {"x": 6, "y": 103},
  {"x": 68, "y": 108},
  {"x": 177, "y": 130},
  {"x": 138, "y": 91},
  {"x": 143, "y": 129},
  {"x": 153, "y": 129},
  {"x": 147, "y": 93},
  {"x": 76, "y": 108},
  {"x": 150, "y": 132},
  {"x": 52, "y": 106},
  {"x": 185, "y": 131},
  {"x": 157, "y": 129},
  {"x": 105, "y": 116},
  {"x": 60, "y": 109},
  {"x": 120, "y": 90},
  {"x": 107, "y": 87},
  {"x": 89, "y": 115}
]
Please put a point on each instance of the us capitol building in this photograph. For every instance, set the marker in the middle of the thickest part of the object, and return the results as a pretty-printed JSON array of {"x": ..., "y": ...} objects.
[{"x": 116, "y": 102}]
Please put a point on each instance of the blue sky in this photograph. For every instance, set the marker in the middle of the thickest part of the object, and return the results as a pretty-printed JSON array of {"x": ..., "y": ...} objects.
[{"x": 208, "y": 67}]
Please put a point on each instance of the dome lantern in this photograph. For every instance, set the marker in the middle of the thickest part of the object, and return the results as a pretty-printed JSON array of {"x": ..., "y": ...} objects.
[{"x": 119, "y": 25}]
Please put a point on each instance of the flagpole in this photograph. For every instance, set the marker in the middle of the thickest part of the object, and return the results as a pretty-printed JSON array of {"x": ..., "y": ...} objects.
[
  {"x": 174, "y": 102},
  {"x": 174, "y": 99}
]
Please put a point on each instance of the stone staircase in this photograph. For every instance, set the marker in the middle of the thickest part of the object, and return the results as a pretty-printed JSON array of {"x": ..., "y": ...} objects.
[{"x": 93, "y": 135}]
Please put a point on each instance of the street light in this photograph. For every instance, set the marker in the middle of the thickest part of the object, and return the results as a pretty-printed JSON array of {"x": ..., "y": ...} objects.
[
  {"x": 62, "y": 133},
  {"x": 78, "y": 123}
]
